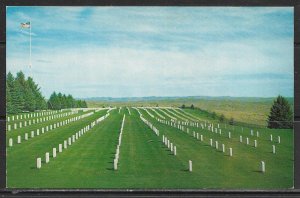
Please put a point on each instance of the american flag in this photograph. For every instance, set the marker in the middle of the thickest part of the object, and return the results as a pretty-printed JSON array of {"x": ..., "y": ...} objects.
[{"x": 25, "y": 25}]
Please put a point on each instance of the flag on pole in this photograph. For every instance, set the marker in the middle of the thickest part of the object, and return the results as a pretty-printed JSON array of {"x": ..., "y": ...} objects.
[{"x": 25, "y": 25}]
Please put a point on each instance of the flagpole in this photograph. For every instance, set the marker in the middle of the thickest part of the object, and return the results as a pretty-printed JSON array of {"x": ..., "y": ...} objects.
[{"x": 30, "y": 45}]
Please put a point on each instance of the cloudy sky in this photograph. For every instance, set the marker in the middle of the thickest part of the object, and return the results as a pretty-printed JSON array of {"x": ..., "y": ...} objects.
[{"x": 154, "y": 51}]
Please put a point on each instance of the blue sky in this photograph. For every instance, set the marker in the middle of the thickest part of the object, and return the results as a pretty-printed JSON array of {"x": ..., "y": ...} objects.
[{"x": 155, "y": 51}]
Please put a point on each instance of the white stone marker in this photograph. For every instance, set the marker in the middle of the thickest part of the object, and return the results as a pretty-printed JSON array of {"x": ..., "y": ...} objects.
[
  {"x": 26, "y": 136},
  {"x": 241, "y": 138},
  {"x": 163, "y": 138},
  {"x": 175, "y": 150},
  {"x": 168, "y": 143},
  {"x": 20, "y": 125},
  {"x": 255, "y": 143},
  {"x": 223, "y": 148},
  {"x": 47, "y": 128},
  {"x": 15, "y": 126},
  {"x": 19, "y": 139},
  {"x": 273, "y": 149},
  {"x": 263, "y": 167},
  {"x": 271, "y": 137},
  {"x": 43, "y": 130},
  {"x": 247, "y": 141},
  {"x": 190, "y": 165},
  {"x": 47, "y": 157},
  {"x": 8, "y": 127},
  {"x": 8, "y": 119},
  {"x": 38, "y": 163},
  {"x": 73, "y": 138},
  {"x": 257, "y": 133},
  {"x": 217, "y": 145},
  {"x": 37, "y": 132},
  {"x": 229, "y": 135},
  {"x": 211, "y": 142},
  {"x": 65, "y": 144},
  {"x": 70, "y": 141},
  {"x": 197, "y": 136},
  {"x": 230, "y": 152},
  {"x": 25, "y": 123},
  {"x": 54, "y": 152},
  {"x": 278, "y": 139},
  {"x": 171, "y": 147},
  {"x": 60, "y": 148},
  {"x": 115, "y": 164},
  {"x": 251, "y": 132},
  {"x": 10, "y": 142},
  {"x": 194, "y": 134},
  {"x": 201, "y": 138}
]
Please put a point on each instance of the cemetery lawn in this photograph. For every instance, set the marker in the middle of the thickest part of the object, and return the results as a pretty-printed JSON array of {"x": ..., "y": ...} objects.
[{"x": 145, "y": 162}]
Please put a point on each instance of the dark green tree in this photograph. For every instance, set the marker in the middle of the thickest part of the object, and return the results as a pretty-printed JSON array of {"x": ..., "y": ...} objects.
[
  {"x": 183, "y": 106},
  {"x": 222, "y": 118},
  {"x": 192, "y": 106},
  {"x": 281, "y": 115},
  {"x": 213, "y": 115},
  {"x": 231, "y": 121}
]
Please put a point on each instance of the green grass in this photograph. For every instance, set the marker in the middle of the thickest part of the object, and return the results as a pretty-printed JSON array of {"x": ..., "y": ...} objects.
[
  {"x": 246, "y": 110},
  {"x": 145, "y": 162}
]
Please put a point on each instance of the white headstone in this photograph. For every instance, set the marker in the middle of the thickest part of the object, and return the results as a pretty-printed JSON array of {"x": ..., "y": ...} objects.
[
  {"x": 241, "y": 138},
  {"x": 257, "y": 133},
  {"x": 223, "y": 148},
  {"x": 255, "y": 143},
  {"x": 10, "y": 142},
  {"x": 263, "y": 166},
  {"x": 8, "y": 127},
  {"x": 115, "y": 164},
  {"x": 15, "y": 126},
  {"x": 54, "y": 152},
  {"x": 38, "y": 163},
  {"x": 197, "y": 136},
  {"x": 175, "y": 150},
  {"x": 37, "y": 132},
  {"x": 26, "y": 136},
  {"x": 247, "y": 141},
  {"x": 190, "y": 165},
  {"x": 217, "y": 145},
  {"x": 229, "y": 134},
  {"x": 211, "y": 142},
  {"x": 230, "y": 152},
  {"x": 271, "y": 137},
  {"x": 65, "y": 144},
  {"x": 19, "y": 139},
  {"x": 60, "y": 148},
  {"x": 273, "y": 149},
  {"x": 171, "y": 147},
  {"x": 32, "y": 134},
  {"x": 201, "y": 137},
  {"x": 278, "y": 139},
  {"x": 69, "y": 141},
  {"x": 47, "y": 157}
]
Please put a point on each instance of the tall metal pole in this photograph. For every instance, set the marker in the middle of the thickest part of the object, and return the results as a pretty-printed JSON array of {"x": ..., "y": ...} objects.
[{"x": 30, "y": 44}]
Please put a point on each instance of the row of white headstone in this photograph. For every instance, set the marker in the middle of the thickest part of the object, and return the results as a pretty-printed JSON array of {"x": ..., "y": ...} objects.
[
  {"x": 120, "y": 109},
  {"x": 48, "y": 128},
  {"x": 172, "y": 117},
  {"x": 174, "y": 114},
  {"x": 154, "y": 129},
  {"x": 128, "y": 110},
  {"x": 150, "y": 114},
  {"x": 116, "y": 159},
  {"x": 37, "y": 120},
  {"x": 30, "y": 115},
  {"x": 169, "y": 145},
  {"x": 68, "y": 142},
  {"x": 163, "y": 117},
  {"x": 216, "y": 145}
]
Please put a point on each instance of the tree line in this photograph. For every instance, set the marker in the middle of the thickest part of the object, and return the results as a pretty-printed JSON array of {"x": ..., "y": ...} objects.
[{"x": 24, "y": 95}]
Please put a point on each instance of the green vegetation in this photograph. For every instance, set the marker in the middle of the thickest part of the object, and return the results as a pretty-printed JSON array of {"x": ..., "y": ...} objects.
[
  {"x": 249, "y": 111},
  {"x": 145, "y": 162},
  {"x": 24, "y": 95},
  {"x": 281, "y": 115},
  {"x": 61, "y": 101}
]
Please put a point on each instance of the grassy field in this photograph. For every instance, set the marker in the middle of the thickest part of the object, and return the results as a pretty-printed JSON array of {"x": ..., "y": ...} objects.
[
  {"x": 145, "y": 162},
  {"x": 249, "y": 110}
]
